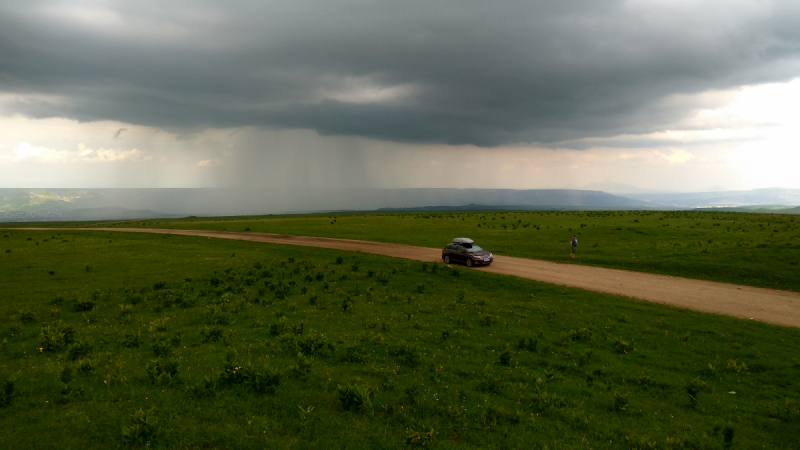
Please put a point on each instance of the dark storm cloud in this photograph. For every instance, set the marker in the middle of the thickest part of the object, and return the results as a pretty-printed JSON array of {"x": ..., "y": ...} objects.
[{"x": 415, "y": 71}]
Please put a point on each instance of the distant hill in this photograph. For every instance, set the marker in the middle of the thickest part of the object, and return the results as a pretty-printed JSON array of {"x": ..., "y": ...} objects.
[
  {"x": 117, "y": 204},
  {"x": 123, "y": 204},
  {"x": 766, "y": 209},
  {"x": 114, "y": 213},
  {"x": 474, "y": 207},
  {"x": 770, "y": 196},
  {"x": 617, "y": 188}
]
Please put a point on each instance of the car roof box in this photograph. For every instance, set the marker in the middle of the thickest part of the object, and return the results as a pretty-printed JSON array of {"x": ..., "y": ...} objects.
[{"x": 463, "y": 241}]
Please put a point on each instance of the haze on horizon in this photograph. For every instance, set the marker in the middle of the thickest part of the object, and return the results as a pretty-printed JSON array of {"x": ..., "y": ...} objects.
[{"x": 664, "y": 95}]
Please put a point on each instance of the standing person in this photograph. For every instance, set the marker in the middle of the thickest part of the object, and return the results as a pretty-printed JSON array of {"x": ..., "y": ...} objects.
[{"x": 574, "y": 244}]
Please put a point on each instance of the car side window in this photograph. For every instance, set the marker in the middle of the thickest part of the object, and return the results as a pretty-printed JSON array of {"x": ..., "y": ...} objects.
[{"x": 459, "y": 248}]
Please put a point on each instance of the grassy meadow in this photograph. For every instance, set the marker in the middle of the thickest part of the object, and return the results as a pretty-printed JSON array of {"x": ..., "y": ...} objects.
[
  {"x": 114, "y": 340},
  {"x": 754, "y": 249}
]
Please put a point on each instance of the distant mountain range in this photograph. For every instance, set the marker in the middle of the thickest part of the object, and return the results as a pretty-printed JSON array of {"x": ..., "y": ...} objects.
[
  {"x": 771, "y": 196},
  {"x": 18, "y": 205}
]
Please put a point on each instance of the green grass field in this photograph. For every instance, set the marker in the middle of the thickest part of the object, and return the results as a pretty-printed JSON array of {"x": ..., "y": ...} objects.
[
  {"x": 753, "y": 249},
  {"x": 138, "y": 341}
]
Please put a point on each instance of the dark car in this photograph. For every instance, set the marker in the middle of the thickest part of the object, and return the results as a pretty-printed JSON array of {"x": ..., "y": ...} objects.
[{"x": 464, "y": 250}]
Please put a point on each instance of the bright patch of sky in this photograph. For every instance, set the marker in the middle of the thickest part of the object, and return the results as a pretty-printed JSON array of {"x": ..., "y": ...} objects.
[{"x": 755, "y": 145}]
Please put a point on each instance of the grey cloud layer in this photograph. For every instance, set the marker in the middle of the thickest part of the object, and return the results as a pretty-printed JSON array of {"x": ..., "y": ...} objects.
[{"x": 416, "y": 71}]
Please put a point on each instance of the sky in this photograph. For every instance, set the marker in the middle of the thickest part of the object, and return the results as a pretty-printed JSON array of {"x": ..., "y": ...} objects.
[{"x": 667, "y": 95}]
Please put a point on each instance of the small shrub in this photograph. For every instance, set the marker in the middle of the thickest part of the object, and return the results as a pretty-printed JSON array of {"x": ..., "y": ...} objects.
[
  {"x": 161, "y": 347},
  {"x": 113, "y": 374},
  {"x": 264, "y": 381},
  {"x": 644, "y": 381},
  {"x": 281, "y": 291},
  {"x": 84, "y": 305},
  {"x": 620, "y": 402},
  {"x": 159, "y": 325},
  {"x": 302, "y": 368},
  {"x": 528, "y": 343},
  {"x": 548, "y": 400},
  {"x": 419, "y": 439},
  {"x": 505, "y": 358},
  {"x": 339, "y": 260},
  {"x": 693, "y": 389},
  {"x": 206, "y": 388},
  {"x": 80, "y": 349},
  {"x": 383, "y": 278},
  {"x": 212, "y": 334},
  {"x": 85, "y": 366},
  {"x": 488, "y": 320},
  {"x": 410, "y": 395},
  {"x": 55, "y": 336},
  {"x": 9, "y": 386},
  {"x": 735, "y": 366},
  {"x": 727, "y": 436},
  {"x": 355, "y": 398},
  {"x": 162, "y": 372},
  {"x": 131, "y": 340},
  {"x": 89, "y": 318},
  {"x": 125, "y": 313},
  {"x": 622, "y": 346},
  {"x": 298, "y": 329},
  {"x": 408, "y": 355},
  {"x": 26, "y": 316},
  {"x": 217, "y": 315},
  {"x": 66, "y": 375},
  {"x": 786, "y": 410},
  {"x": 280, "y": 327},
  {"x": 143, "y": 427},
  {"x": 490, "y": 382},
  {"x": 584, "y": 356},
  {"x": 581, "y": 334}
]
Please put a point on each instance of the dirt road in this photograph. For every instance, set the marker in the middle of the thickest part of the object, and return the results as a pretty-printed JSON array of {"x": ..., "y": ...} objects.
[{"x": 767, "y": 305}]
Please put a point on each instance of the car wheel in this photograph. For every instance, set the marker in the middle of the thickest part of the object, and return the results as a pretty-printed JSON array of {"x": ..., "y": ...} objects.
[
  {"x": 446, "y": 259},
  {"x": 469, "y": 262}
]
